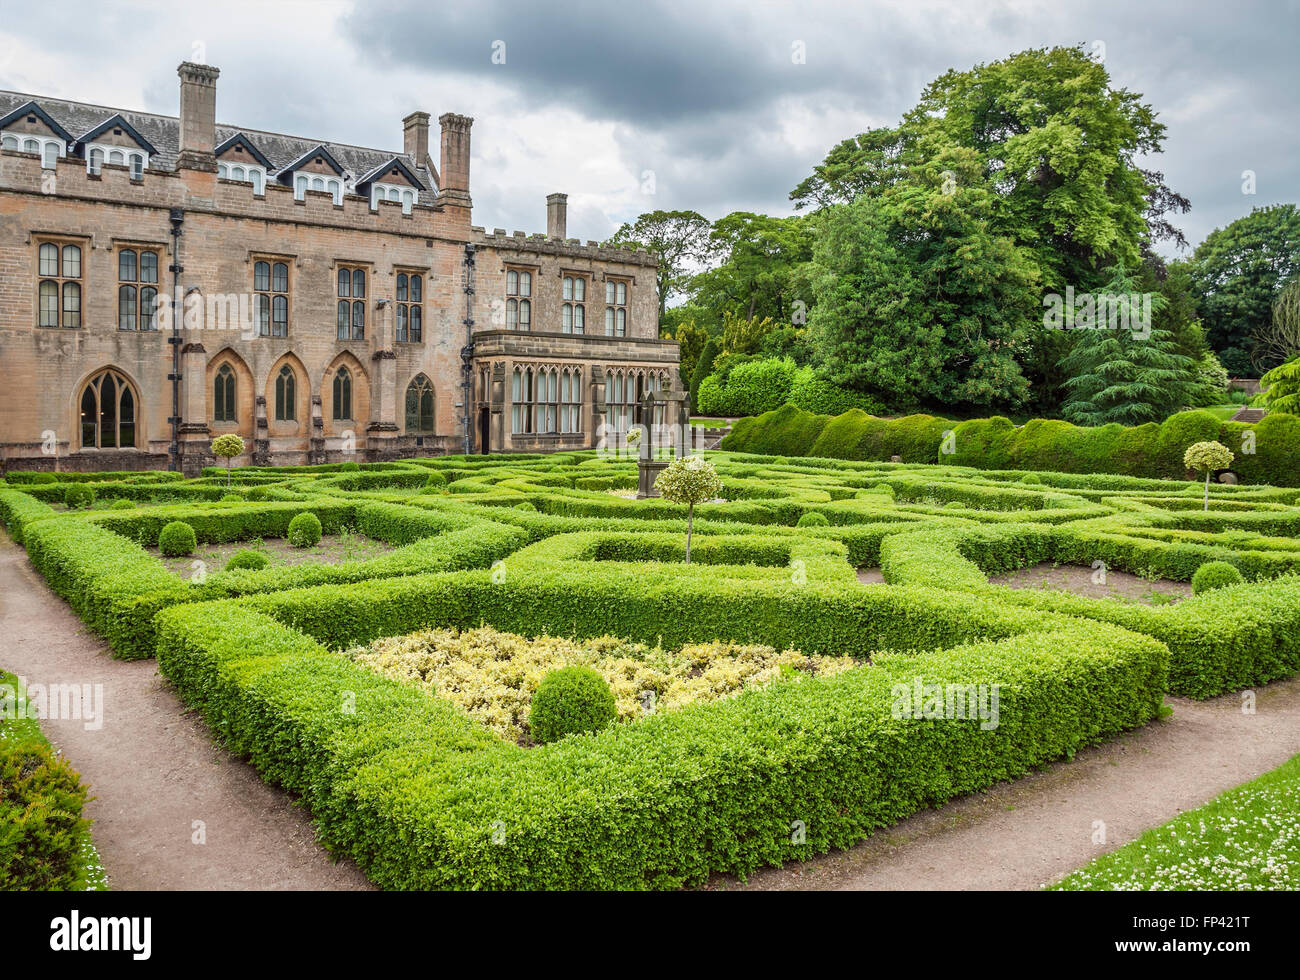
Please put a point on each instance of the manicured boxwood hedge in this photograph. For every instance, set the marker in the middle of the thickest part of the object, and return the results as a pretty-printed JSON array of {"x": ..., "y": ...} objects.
[
  {"x": 1151, "y": 450},
  {"x": 422, "y": 796}
]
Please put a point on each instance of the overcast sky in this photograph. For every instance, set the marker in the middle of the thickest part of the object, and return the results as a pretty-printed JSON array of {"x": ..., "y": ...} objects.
[{"x": 694, "y": 105}]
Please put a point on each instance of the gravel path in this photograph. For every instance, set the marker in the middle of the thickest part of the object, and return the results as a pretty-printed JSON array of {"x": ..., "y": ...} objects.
[
  {"x": 1025, "y": 834},
  {"x": 158, "y": 779}
]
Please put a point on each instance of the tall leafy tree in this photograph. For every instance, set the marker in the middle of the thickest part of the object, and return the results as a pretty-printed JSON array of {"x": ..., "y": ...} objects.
[
  {"x": 762, "y": 270},
  {"x": 1059, "y": 145},
  {"x": 1238, "y": 273},
  {"x": 916, "y": 298},
  {"x": 682, "y": 241}
]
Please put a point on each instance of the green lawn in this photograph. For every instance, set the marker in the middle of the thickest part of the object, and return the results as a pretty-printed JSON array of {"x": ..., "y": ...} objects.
[{"x": 1248, "y": 839}]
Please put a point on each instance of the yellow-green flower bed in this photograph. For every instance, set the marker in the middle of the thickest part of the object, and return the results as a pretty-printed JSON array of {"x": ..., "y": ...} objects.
[{"x": 493, "y": 675}]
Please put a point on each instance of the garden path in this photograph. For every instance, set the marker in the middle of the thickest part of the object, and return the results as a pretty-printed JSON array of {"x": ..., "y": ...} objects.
[
  {"x": 160, "y": 783},
  {"x": 1033, "y": 831}
]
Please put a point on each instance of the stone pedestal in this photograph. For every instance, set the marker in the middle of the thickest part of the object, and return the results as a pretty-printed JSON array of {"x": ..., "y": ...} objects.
[{"x": 647, "y": 471}]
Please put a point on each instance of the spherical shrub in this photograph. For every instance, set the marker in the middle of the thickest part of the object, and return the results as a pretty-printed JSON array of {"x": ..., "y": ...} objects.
[
  {"x": 954, "y": 505},
  {"x": 569, "y": 701},
  {"x": 176, "y": 539},
  {"x": 1214, "y": 575},
  {"x": 248, "y": 558},
  {"x": 304, "y": 530},
  {"x": 813, "y": 519},
  {"x": 1033, "y": 478},
  {"x": 232, "y": 498},
  {"x": 79, "y": 495},
  {"x": 436, "y": 481},
  {"x": 526, "y": 505},
  {"x": 258, "y": 493},
  {"x": 349, "y": 467},
  {"x": 122, "y": 504}
]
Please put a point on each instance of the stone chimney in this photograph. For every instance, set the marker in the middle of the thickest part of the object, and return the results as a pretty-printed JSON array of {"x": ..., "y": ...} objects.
[
  {"x": 454, "y": 185},
  {"x": 415, "y": 139},
  {"x": 198, "y": 138},
  {"x": 557, "y": 215}
]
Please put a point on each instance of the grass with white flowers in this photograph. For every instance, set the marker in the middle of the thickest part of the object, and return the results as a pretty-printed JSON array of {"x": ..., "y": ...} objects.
[{"x": 1248, "y": 839}]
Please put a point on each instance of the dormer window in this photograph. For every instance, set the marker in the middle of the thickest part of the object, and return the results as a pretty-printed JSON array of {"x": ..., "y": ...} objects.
[
  {"x": 392, "y": 192},
  {"x": 97, "y": 153},
  {"x": 239, "y": 159},
  {"x": 248, "y": 174},
  {"x": 47, "y": 149},
  {"x": 49, "y": 145},
  {"x": 303, "y": 183}
]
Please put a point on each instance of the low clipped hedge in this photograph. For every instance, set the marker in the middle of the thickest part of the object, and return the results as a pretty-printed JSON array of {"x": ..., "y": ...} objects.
[
  {"x": 659, "y": 804},
  {"x": 422, "y": 796}
]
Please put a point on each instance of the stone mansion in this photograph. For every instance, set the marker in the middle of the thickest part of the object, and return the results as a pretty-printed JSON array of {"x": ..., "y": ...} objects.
[{"x": 166, "y": 280}]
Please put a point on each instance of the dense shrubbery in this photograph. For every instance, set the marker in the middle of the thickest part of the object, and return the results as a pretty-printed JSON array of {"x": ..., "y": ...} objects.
[
  {"x": 570, "y": 701},
  {"x": 248, "y": 558},
  {"x": 44, "y": 839},
  {"x": 79, "y": 496},
  {"x": 1151, "y": 450},
  {"x": 304, "y": 530},
  {"x": 1215, "y": 575},
  {"x": 176, "y": 539}
]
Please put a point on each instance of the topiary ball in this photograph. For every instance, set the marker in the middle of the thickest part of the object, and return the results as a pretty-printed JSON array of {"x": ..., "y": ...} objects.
[
  {"x": 1214, "y": 575},
  {"x": 1031, "y": 478},
  {"x": 436, "y": 481},
  {"x": 247, "y": 558},
  {"x": 526, "y": 505},
  {"x": 176, "y": 539},
  {"x": 813, "y": 519},
  {"x": 79, "y": 495},
  {"x": 954, "y": 505},
  {"x": 570, "y": 701},
  {"x": 122, "y": 504},
  {"x": 304, "y": 530}
]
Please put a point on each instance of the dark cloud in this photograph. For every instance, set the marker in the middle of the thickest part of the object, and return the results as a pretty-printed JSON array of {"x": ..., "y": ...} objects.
[{"x": 707, "y": 96}]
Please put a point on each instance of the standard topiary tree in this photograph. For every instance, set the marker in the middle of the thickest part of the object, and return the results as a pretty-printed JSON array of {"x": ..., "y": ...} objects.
[
  {"x": 689, "y": 480},
  {"x": 176, "y": 539},
  {"x": 1214, "y": 575},
  {"x": 570, "y": 701},
  {"x": 304, "y": 530},
  {"x": 813, "y": 519},
  {"x": 248, "y": 558},
  {"x": 1207, "y": 456},
  {"x": 79, "y": 495},
  {"x": 228, "y": 447}
]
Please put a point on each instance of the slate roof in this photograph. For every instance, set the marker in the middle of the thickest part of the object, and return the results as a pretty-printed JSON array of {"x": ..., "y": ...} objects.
[{"x": 163, "y": 133}]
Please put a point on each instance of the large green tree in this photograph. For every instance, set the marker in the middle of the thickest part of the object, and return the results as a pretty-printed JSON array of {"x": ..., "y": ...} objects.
[
  {"x": 1238, "y": 273},
  {"x": 1055, "y": 140},
  {"x": 681, "y": 239},
  {"x": 916, "y": 298},
  {"x": 762, "y": 270}
]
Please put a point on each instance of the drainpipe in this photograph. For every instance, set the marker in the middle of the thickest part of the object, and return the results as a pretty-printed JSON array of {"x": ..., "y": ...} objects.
[
  {"x": 467, "y": 352},
  {"x": 177, "y": 218}
]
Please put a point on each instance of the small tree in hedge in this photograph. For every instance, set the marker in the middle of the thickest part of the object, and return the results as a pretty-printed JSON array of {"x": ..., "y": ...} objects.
[
  {"x": 690, "y": 480},
  {"x": 228, "y": 447},
  {"x": 1207, "y": 456}
]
